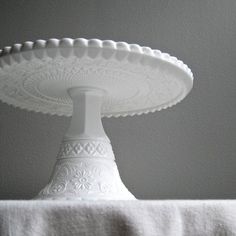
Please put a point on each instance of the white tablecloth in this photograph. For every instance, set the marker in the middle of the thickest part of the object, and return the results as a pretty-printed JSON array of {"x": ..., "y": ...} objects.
[{"x": 131, "y": 218}]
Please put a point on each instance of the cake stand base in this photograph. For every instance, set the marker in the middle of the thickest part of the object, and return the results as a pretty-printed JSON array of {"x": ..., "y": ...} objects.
[{"x": 85, "y": 167}]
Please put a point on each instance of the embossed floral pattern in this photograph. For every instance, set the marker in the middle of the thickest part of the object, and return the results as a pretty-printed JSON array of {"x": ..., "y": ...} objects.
[
  {"x": 92, "y": 148},
  {"x": 82, "y": 180},
  {"x": 85, "y": 179},
  {"x": 58, "y": 187},
  {"x": 104, "y": 188}
]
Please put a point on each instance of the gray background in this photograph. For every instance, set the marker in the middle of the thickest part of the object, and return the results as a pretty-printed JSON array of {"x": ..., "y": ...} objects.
[{"x": 187, "y": 151}]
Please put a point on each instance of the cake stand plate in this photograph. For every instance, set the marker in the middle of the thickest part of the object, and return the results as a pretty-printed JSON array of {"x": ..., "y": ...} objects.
[{"x": 89, "y": 79}]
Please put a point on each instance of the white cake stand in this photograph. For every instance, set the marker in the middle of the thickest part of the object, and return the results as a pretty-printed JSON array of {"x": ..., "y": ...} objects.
[{"x": 89, "y": 79}]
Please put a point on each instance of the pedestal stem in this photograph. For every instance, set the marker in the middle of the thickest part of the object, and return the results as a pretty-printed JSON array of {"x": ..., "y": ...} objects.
[
  {"x": 86, "y": 119},
  {"x": 85, "y": 167}
]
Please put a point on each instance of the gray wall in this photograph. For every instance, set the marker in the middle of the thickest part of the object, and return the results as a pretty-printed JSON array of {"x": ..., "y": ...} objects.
[{"x": 188, "y": 151}]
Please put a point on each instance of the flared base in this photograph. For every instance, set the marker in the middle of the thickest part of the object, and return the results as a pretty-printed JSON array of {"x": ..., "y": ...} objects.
[
  {"x": 85, "y": 167},
  {"x": 85, "y": 179}
]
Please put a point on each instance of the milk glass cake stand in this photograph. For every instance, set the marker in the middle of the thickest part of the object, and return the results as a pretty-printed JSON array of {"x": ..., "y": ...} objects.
[{"x": 89, "y": 79}]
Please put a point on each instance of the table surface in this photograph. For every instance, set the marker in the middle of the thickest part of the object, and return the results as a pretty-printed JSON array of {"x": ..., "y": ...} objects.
[{"x": 138, "y": 217}]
